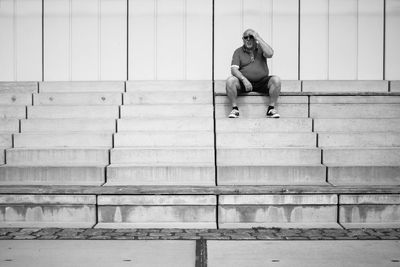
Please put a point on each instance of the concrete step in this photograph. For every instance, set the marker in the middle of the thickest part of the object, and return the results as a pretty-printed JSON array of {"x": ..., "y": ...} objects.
[
  {"x": 82, "y": 86},
  {"x": 395, "y": 86},
  {"x": 9, "y": 112},
  {"x": 357, "y": 125},
  {"x": 363, "y": 211},
  {"x": 2, "y": 155},
  {"x": 64, "y": 139},
  {"x": 355, "y": 110},
  {"x": 18, "y": 87},
  {"x": 6, "y": 140},
  {"x": 68, "y": 125},
  {"x": 364, "y": 175},
  {"x": 173, "y": 211},
  {"x": 92, "y": 98},
  {"x": 259, "y": 110},
  {"x": 52, "y": 175},
  {"x": 162, "y": 155},
  {"x": 47, "y": 211},
  {"x": 271, "y": 175},
  {"x": 255, "y": 98},
  {"x": 264, "y": 125},
  {"x": 187, "y": 85},
  {"x": 57, "y": 156},
  {"x": 359, "y": 139},
  {"x": 287, "y": 86},
  {"x": 166, "y": 124},
  {"x": 185, "y": 173},
  {"x": 168, "y": 97},
  {"x": 360, "y": 99},
  {"x": 351, "y": 156},
  {"x": 167, "y": 111},
  {"x": 266, "y": 139},
  {"x": 164, "y": 139},
  {"x": 345, "y": 86},
  {"x": 268, "y": 156},
  {"x": 246, "y": 211},
  {"x": 15, "y": 99},
  {"x": 84, "y": 112},
  {"x": 9, "y": 125}
]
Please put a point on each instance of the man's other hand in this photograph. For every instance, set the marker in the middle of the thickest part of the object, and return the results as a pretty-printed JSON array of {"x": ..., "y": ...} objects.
[{"x": 247, "y": 85}]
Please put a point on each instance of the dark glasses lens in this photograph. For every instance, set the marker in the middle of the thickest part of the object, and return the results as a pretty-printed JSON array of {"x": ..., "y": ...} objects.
[{"x": 248, "y": 37}]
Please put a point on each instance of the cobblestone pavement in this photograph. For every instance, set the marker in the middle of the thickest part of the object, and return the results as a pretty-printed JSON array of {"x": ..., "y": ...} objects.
[{"x": 194, "y": 234}]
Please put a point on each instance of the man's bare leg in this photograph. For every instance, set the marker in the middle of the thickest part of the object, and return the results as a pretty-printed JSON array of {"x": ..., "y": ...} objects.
[
  {"x": 232, "y": 86},
  {"x": 274, "y": 86}
]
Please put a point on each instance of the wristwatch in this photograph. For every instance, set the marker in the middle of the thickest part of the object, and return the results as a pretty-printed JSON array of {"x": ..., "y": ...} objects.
[{"x": 243, "y": 78}]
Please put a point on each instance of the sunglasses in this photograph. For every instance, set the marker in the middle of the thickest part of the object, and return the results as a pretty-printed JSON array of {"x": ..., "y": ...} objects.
[{"x": 248, "y": 37}]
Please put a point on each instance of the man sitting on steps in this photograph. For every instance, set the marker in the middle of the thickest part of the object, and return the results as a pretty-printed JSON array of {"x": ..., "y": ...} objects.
[{"x": 250, "y": 73}]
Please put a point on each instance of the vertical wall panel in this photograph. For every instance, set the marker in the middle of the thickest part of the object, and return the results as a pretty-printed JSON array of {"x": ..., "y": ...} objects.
[
  {"x": 171, "y": 47},
  {"x": 113, "y": 40},
  {"x": 57, "y": 45},
  {"x": 199, "y": 40},
  {"x": 21, "y": 40},
  {"x": 228, "y": 29},
  {"x": 314, "y": 39},
  {"x": 285, "y": 39},
  {"x": 85, "y": 40},
  {"x": 370, "y": 40},
  {"x": 7, "y": 66},
  {"x": 392, "y": 60},
  {"x": 343, "y": 40},
  {"x": 142, "y": 40}
]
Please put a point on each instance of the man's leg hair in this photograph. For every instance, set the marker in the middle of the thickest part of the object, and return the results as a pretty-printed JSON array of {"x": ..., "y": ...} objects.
[
  {"x": 232, "y": 87},
  {"x": 274, "y": 87}
]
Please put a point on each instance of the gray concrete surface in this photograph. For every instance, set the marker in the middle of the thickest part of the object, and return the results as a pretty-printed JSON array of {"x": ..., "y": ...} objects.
[
  {"x": 88, "y": 253},
  {"x": 303, "y": 253}
]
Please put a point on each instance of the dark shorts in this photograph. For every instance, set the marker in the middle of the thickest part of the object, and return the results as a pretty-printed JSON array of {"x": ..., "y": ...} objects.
[{"x": 260, "y": 86}]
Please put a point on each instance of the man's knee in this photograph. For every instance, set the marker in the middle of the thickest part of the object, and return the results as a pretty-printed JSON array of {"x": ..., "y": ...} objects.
[
  {"x": 232, "y": 83},
  {"x": 275, "y": 82}
]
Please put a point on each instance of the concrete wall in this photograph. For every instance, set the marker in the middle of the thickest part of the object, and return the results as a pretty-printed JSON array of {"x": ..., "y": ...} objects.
[{"x": 173, "y": 39}]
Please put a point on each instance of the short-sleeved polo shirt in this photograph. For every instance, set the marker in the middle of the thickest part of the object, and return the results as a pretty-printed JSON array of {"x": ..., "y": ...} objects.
[{"x": 255, "y": 70}]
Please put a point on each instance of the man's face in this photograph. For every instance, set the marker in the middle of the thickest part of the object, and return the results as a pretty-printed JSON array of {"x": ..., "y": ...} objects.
[{"x": 248, "y": 40}]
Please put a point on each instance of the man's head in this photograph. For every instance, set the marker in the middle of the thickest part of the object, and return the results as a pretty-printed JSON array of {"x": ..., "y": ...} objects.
[{"x": 248, "y": 39}]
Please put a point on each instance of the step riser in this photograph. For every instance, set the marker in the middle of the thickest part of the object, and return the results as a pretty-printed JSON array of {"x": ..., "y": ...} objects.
[
  {"x": 84, "y": 86},
  {"x": 5, "y": 140},
  {"x": 359, "y": 140},
  {"x": 198, "y": 124},
  {"x": 18, "y": 87},
  {"x": 10, "y": 112},
  {"x": 371, "y": 99},
  {"x": 84, "y": 112},
  {"x": 356, "y": 125},
  {"x": 54, "y": 99},
  {"x": 171, "y": 175},
  {"x": 145, "y": 156},
  {"x": 264, "y": 125},
  {"x": 163, "y": 216},
  {"x": 57, "y": 157},
  {"x": 266, "y": 140},
  {"x": 11, "y": 175},
  {"x": 193, "y": 139},
  {"x": 243, "y": 157},
  {"x": 362, "y": 157},
  {"x": 369, "y": 214},
  {"x": 62, "y": 140},
  {"x": 15, "y": 99},
  {"x": 68, "y": 125},
  {"x": 2, "y": 156},
  {"x": 166, "y": 111},
  {"x": 201, "y": 85},
  {"x": 160, "y": 97},
  {"x": 271, "y": 175},
  {"x": 355, "y": 111},
  {"x": 345, "y": 86},
  {"x": 9, "y": 126},
  {"x": 259, "y": 111},
  {"x": 286, "y": 86},
  {"x": 364, "y": 175},
  {"x": 265, "y": 100}
]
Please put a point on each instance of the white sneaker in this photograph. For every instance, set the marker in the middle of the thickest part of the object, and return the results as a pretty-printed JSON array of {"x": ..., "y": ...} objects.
[
  {"x": 234, "y": 114},
  {"x": 272, "y": 113}
]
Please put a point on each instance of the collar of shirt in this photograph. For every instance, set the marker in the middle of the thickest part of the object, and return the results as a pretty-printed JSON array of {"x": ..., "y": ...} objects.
[{"x": 249, "y": 51}]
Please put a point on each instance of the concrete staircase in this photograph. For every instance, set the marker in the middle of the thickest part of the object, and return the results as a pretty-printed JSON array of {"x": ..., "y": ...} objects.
[{"x": 148, "y": 154}]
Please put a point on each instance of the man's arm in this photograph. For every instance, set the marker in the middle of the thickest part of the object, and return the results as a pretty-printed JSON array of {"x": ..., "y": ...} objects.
[
  {"x": 266, "y": 48},
  {"x": 236, "y": 72}
]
